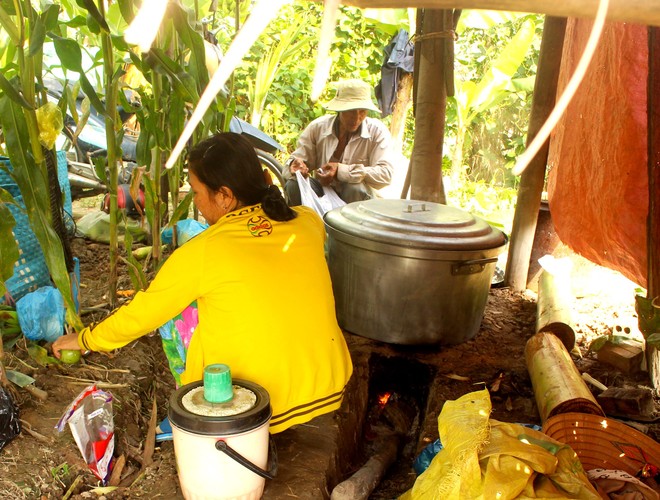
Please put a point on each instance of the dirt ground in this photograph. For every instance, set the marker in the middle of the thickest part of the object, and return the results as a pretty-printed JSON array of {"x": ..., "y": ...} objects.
[{"x": 44, "y": 464}]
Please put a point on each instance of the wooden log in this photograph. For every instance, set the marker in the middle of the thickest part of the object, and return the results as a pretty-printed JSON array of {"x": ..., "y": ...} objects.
[
  {"x": 360, "y": 485},
  {"x": 395, "y": 422},
  {"x": 634, "y": 11},
  {"x": 558, "y": 386},
  {"x": 553, "y": 314}
]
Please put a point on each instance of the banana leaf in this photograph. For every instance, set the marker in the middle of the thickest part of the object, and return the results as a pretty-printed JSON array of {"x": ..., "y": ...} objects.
[{"x": 32, "y": 181}]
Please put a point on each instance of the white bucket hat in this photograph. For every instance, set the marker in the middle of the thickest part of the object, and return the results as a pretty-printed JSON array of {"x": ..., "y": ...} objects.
[{"x": 352, "y": 94}]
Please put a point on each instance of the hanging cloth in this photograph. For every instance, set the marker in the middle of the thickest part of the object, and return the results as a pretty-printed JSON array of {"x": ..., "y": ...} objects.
[{"x": 399, "y": 58}]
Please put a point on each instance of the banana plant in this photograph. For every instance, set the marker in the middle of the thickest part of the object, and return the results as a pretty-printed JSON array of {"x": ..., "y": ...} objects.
[
  {"x": 20, "y": 100},
  {"x": 290, "y": 44},
  {"x": 472, "y": 98}
]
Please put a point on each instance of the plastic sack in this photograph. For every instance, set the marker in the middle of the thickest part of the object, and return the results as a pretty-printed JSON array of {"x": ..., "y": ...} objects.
[
  {"x": 186, "y": 229},
  {"x": 96, "y": 227},
  {"x": 10, "y": 425},
  {"x": 91, "y": 422},
  {"x": 485, "y": 458},
  {"x": 41, "y": 314},
  {"x": 425, "y": 457},
  {"x": 310, "y": 199}
]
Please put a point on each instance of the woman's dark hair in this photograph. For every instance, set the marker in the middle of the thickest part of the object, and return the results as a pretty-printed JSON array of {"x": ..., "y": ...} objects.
[{"x": 229, "y": 160}]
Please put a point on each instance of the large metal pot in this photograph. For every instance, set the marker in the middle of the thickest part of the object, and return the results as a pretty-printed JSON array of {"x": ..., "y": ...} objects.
[{"x": 410, "y": 272}]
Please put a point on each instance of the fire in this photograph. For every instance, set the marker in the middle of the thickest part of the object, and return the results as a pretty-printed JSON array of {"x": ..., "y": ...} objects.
[{"x": 384, "y": 398}]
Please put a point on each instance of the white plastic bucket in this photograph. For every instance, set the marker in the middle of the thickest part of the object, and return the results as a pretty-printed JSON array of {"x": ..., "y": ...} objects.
[{"x": 221, "y": 458}]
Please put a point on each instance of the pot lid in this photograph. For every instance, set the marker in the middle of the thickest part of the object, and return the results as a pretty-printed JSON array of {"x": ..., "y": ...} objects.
[
  {"x": 418, "y": 224},
  {"x": 247, "y": 410}
]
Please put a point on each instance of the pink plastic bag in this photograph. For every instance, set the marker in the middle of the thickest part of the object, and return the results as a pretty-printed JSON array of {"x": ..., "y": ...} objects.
[{"x": 91, "y": 422}]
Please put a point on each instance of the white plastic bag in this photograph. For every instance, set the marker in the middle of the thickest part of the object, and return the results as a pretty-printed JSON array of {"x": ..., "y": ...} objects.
[{"x": 322, "y": 204}]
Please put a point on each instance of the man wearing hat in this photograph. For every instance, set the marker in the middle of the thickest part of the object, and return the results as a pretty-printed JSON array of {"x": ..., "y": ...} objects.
[{"x": 348, "y": 151}]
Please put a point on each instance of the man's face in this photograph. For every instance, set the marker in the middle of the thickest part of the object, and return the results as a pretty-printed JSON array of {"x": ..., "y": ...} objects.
[{"x": 351, "y": 120}]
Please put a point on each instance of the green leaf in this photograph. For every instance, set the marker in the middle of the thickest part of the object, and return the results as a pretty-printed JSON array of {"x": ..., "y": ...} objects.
[
  {"x": 648, "y": 312},
  {"x": 598, "y": 343},
  {"x": 9, "y": 253},
  {"x": 37, "y": 36},
  {"x": 40, "y": 355},
  {"x": 181, "y": 211},
  {"x": 12, "y": 93},
  {"x": 93, "y": 26},
  {"x": 126, "y": 8},
  {"x": 94, "y": 12},
  {"x": 68, "y": 51}
]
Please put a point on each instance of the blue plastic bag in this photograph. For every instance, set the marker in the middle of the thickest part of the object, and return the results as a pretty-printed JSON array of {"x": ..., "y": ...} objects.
[
  {"x": 185, "y": 230},
  {"x": 41, "y": 314}
]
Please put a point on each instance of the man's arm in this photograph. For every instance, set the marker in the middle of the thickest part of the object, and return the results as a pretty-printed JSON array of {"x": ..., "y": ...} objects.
[{"x": 304, "y": 156}]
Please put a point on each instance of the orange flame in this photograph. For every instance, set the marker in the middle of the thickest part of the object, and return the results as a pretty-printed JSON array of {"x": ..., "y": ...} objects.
[{"x": 384, "y": 398}]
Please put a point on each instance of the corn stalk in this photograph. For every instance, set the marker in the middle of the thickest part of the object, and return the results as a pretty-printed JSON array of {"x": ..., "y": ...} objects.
[{"x": 18, "y": 118}]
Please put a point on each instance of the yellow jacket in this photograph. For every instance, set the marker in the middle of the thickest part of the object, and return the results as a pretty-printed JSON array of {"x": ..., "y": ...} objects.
[{"x": 238, "y": 270}]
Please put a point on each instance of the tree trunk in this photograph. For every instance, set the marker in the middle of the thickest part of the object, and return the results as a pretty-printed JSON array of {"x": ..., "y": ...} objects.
[
  {"x": 533, "y": 178},
  {"x": 400, "y": 111},
  {"x": 430, "y": 103}
]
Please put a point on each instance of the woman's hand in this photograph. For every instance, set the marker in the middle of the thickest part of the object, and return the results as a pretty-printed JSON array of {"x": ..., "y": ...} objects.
[{"x": 69, "y": 342}]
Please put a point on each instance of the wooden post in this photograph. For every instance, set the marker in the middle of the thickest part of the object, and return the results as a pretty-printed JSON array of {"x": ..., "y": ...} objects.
[
  {"x": 653, "y": 226},
  {"x": 430, "y": 102},
  {"x": 558, "y": 385},
  {"x": 633, "y": 11},
  {"x": 533, "y": 178}
]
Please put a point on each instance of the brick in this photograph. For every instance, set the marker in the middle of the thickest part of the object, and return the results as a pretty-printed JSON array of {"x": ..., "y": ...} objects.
[
  {"x": 627, "y": 401},
  {"x": 625, "y": 357}
]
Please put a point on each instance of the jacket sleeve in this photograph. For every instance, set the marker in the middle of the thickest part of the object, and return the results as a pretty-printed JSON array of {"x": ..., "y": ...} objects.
[
  {"x": 306, "y": 150},
  {"x": 174, "y": 288}
]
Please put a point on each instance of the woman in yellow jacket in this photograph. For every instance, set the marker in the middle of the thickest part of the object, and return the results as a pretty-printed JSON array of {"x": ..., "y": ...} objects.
[{"x": 256, "y": 250}]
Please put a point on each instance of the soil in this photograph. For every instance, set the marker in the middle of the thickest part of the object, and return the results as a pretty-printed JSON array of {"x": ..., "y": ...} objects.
[{"x": 42, "y": 463}]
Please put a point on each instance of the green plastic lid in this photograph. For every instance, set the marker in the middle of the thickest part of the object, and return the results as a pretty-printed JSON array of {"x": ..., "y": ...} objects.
[{"x": 218, "y": 386}]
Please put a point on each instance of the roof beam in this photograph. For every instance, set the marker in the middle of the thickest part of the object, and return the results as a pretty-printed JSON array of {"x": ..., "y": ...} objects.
[{"x": 632, "y": 11}]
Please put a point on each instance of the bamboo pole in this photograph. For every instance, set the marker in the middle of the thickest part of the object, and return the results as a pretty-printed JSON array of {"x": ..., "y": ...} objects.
[
  {"x": 632, "y": 11},
  {"x": 553, "y": 313},
  {"x": 558, "y": 385},
  {"x": 532, "y": 179}
]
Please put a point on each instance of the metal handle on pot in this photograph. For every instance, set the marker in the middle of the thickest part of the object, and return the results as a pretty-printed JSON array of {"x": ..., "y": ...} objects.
[
  {"x": 233, "y": 454},
  {"x": 471, "y": 266}
]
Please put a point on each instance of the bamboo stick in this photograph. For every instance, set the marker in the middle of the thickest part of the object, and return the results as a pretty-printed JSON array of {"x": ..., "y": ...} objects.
[
  {"x": 552, "y": 310},
  {"x": 633, "y": 11},
  {"x": 558, "y": 385},
  {"x": 532, "y": 179}
]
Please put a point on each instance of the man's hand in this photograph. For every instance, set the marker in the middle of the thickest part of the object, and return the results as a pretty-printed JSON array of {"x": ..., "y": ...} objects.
[
  {"x": 69, "y": 342},
  {"x": 296, "y": 165},
  {"x": 327, "y": 174}
]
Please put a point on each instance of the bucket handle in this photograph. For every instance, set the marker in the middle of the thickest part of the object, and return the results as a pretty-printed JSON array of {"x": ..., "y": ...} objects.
[{"x": 232, "y": 453}]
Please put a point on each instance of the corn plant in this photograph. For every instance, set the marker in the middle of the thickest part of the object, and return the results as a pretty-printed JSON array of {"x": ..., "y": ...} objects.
[{"x": 21, "y": 97}]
